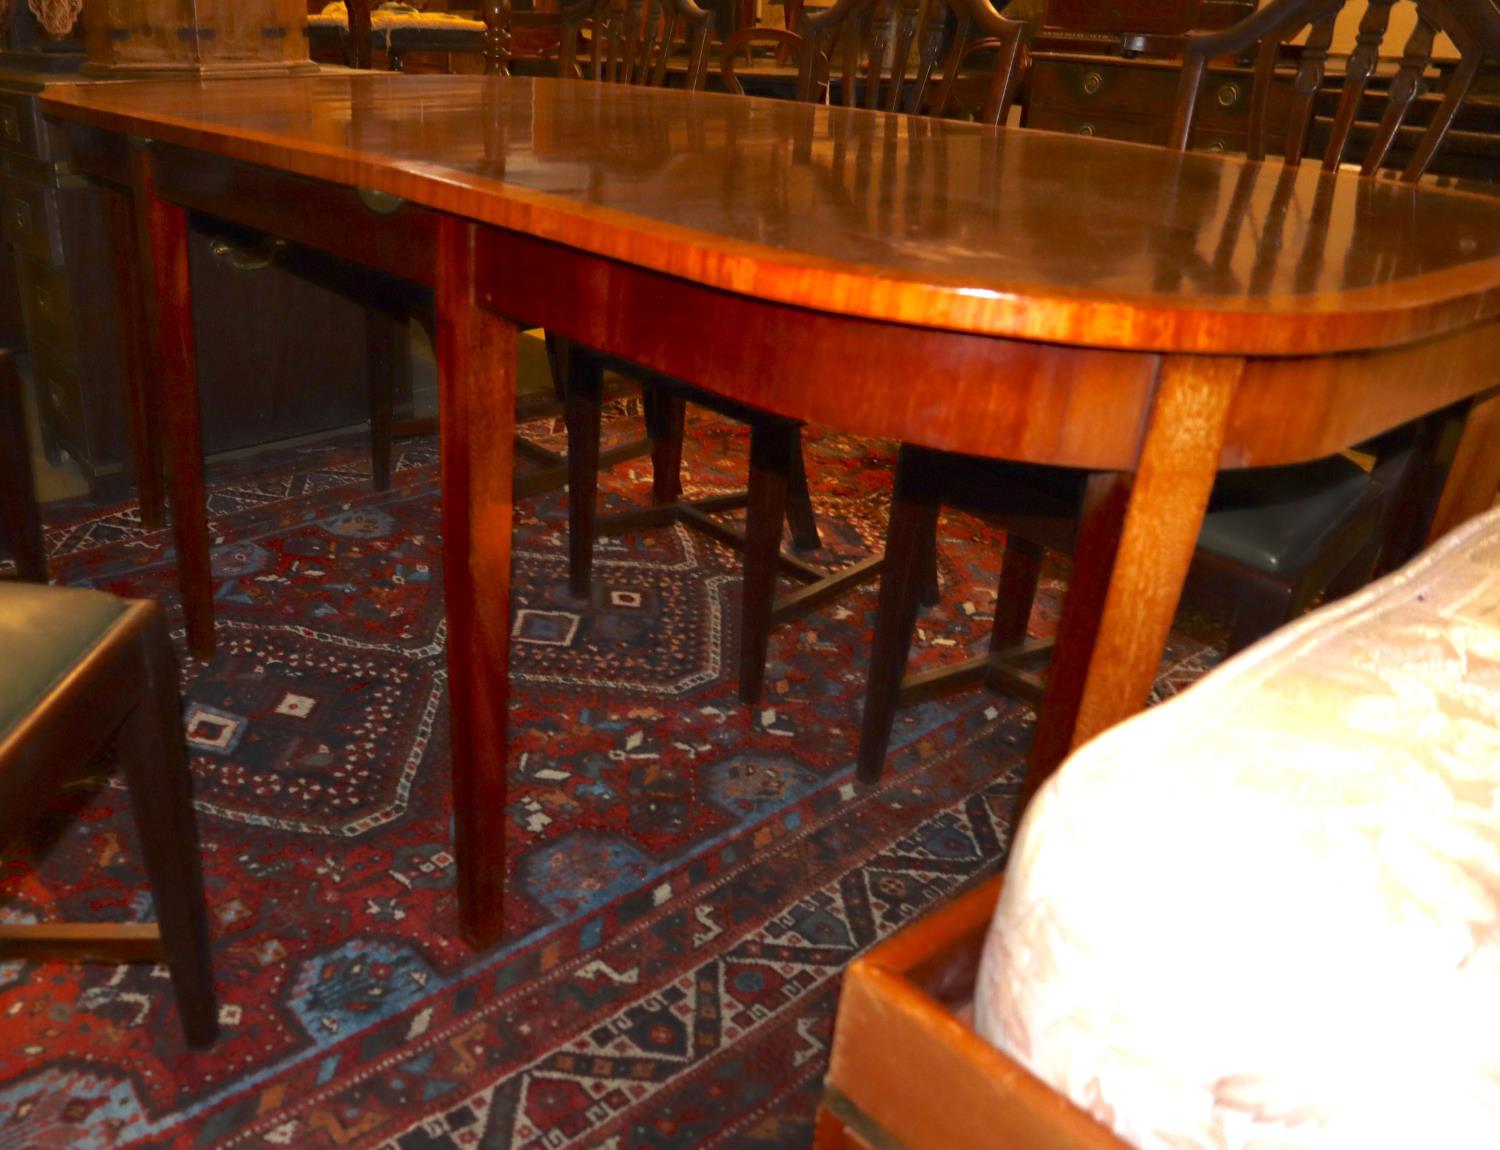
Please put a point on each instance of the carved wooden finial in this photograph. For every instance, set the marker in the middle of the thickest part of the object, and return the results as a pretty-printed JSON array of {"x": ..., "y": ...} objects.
[{"x": 497, "y": 37}]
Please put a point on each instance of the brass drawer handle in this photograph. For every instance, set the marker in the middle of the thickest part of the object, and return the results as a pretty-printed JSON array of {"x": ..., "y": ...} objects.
[
  {"x": 20, "y": 215},
  {"x": 1229, "y": 95},
  {"x": 1085, "y": 129},
  {"x": 240, "y": 260},
  {"x": 1092, "y": 83},
  {"x": 10, "y": 124},
  {"x": 57, "y": 398},
  {"x": 44, "y": 301}
]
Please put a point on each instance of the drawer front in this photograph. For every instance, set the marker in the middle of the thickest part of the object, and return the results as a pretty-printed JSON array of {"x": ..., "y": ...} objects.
[
  {"x": 1085, "y": 124},
  {"x": 48, "y": 305},
  {"x": 1123, "y": 100},
  {"x": 29, "y": 220},
  {"x": 23, "y": 131},
  {"x": 1104, "y": 87},
  {"x": 1133, "y": 131}
]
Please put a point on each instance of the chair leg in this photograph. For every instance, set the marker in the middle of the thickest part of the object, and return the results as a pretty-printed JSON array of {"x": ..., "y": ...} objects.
[
  {"x": 772, "y": 448},
  {"x": 557, "y": 361},
  {"x": 799, "y": 511},
  {"x": 907, "y": 544},
  {"x": 388, "y": 356},
  {"x": 1260, "y": 608},
  {"x": 1358, "y": 571},
  {"x": 20, "y": 515},
  {"x": 665, "y": 417},
  {"x": 929, "y": 593},
  {"x": 583, "y": 387},
  {"x": 154, "y": 760},
  {"x": 1020, "y": 572}
]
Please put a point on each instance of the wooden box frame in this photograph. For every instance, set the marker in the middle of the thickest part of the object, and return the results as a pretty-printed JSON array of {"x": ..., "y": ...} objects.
[{"x": 908, "y": 1071}]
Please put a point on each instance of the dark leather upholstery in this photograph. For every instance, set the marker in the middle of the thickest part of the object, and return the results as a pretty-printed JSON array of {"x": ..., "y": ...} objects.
[
  {"x": 1270, "y": 518},
  {"x": 1275, "y": 518},
  {"x": 44, "y": 631}
]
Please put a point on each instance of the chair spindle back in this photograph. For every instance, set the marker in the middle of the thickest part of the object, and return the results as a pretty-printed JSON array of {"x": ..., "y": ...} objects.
[
  {"x": 630, "y": 41},
  {"x": 886, "y": 53},
  {"x": 1472, "y": 25}
]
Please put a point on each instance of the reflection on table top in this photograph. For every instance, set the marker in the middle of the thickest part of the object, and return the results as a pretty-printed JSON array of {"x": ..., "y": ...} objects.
[{"x": 921, "y": 221}]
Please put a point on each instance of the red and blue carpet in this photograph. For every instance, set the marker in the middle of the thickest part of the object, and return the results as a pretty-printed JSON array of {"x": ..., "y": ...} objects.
[{"x": 688, "y": 877}]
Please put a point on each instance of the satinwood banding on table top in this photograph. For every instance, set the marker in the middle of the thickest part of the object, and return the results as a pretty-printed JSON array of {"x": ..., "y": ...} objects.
[{"x": 943, "y": 225}]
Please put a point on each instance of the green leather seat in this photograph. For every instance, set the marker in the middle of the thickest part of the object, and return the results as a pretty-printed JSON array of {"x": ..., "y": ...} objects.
[
  {"x": 44, "y": 632},
  {"x": 1275, "y": 519}
]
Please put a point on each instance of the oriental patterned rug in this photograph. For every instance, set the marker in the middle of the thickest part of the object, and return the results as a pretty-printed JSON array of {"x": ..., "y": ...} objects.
[{"x": 688, "y": 877}]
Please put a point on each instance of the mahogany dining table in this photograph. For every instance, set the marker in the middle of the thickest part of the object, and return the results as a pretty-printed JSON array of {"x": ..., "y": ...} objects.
[{"x": 1147, "y": 315}]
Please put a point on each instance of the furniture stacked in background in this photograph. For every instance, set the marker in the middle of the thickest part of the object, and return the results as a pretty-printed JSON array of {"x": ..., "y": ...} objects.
[
  {"x": 1124, "y": 87},
  {"x": 58, "y": 229},
  {"x": 1264, "y": 909},
  {"x": 85, "y": 676}
]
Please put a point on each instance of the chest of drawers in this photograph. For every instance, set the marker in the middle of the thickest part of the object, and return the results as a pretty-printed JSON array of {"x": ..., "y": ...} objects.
[{"x": 311, "y": 377}]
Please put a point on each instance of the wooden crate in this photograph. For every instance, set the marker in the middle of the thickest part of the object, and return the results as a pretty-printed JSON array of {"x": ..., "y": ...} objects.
[
  {"x": 909, "y": 1071},
  {"x": 132, "y": 38}
]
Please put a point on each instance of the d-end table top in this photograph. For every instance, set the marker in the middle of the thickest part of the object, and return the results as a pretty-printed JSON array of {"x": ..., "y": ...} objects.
[{"x": 907, "y": 219}]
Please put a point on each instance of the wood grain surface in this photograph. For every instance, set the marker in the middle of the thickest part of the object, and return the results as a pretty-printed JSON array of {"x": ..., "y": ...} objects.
[{"x": 905, "y": 219}]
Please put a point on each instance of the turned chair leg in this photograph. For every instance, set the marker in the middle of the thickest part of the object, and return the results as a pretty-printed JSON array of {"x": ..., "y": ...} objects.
[
  {"x": 582, "y": 407},
  {"x": 799, "y": 511},
  {"x": 908, "y": 545},
  {"x": 154, "y": 761},
  {"x": 773, "y": 446}
]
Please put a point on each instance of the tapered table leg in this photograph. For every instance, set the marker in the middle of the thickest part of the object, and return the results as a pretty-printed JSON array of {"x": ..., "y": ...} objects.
[
  {"x": 1470, "y": 486},
  {"x": 127, "y": 247},
  {"x": 167, "y": 230},
  {"x": 1135, "y": 544},
  {"x": 476, "y": 353}
]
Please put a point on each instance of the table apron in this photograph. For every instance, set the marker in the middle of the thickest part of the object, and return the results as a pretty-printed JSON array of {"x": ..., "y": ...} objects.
[
  {"x": 1291, "y": 410},
  {"x": 982, "y": 395},
  {"x": 316, "y": 213},
  {"x": 1077, "y": 407}
]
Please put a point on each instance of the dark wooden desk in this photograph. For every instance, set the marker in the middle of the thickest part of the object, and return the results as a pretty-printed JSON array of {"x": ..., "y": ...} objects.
[{"x": 1144, "y": 314}]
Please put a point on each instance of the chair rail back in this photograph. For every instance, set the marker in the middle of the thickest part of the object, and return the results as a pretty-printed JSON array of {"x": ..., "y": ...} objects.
[
  {"x": 886, "y": 53},
  {"x": 630, "y": 41},
  {"x": 1472, "y": 25}
]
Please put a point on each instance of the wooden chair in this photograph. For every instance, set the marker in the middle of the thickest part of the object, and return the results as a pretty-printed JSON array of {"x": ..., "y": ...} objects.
[
  {"x": 886, "y": 52},
  {"x": 778, "y": 482},
  {"x": 1274, "y": 540},
  {"x": 82, "y": 669},
  {"x": 391, "y": 305},
  {"x": 631, "y": 43}
]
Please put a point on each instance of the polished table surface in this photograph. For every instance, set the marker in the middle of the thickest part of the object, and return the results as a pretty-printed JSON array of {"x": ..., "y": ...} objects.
[
  {"x": 1151, "y": 315},
  {"x": 1026, "y": 234}
]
